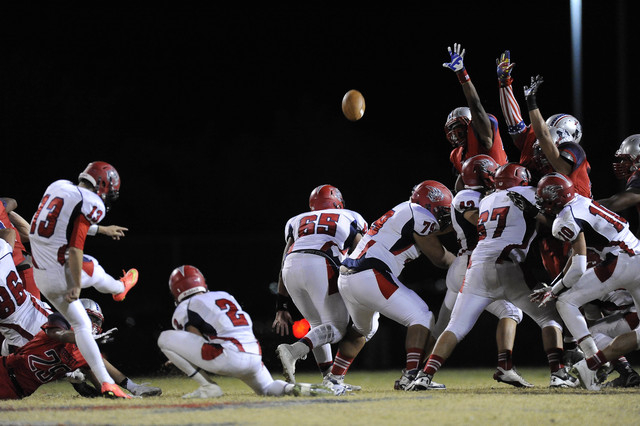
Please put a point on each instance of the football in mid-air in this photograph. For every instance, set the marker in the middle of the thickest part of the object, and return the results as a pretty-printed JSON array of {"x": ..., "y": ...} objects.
[{"x": 353, "y": 105}]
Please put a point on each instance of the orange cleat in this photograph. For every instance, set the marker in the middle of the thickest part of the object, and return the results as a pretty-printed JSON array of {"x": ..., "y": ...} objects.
[
  {"x": 113, "y": 391},
  {"x": 129, "y": 279}
]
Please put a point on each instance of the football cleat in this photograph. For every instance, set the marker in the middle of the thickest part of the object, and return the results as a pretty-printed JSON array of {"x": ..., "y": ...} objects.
[
  {"x": 562, "y": 379},
  {"x": 331, "y": 380},
  {"x": 113, "y": 391},
  {"x": 129, "y": 279},
  {"x": 571, "y": 356},
  {"x": 511, "y": 377},
  {"x": 405, "y": 380},
  {"x": 424, "y": 382},
  {"x": 308, "y": 389},
  {"x": 628, "y": 380},
  {"x": 143, "y": 390},
  {"x": 288, "y": 362},
  {"x": 588, "y": 378},
  {"x": 210, "y": 390}
]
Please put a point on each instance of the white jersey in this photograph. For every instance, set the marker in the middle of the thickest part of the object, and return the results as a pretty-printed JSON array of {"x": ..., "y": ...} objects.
[
  {"x": 330, "y": 231},
  {"x": 503, "y": 232},
  {"x": 389, "y": 243},
  {"x": 21, "y": 314},
  {"x": 220, "y": 319},
  {"x": 466, "y": 232},
  {"x": 604, "y": 231},
  {"x": 53, "y": 227}
]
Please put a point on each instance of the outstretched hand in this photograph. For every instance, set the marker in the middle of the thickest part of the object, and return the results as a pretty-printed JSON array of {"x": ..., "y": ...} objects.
[
  {"x": 542, "y": 295},
  {"x": 504, "y": 66},
  {"x": 106, "y": 337},
  {"x": 281, "y": 323},
  {"x": 532, "y": 89},
  {"x": 457, "y": 58},
  {"x": 114, "y": 231},
  {"x": 520, "y": 201}
]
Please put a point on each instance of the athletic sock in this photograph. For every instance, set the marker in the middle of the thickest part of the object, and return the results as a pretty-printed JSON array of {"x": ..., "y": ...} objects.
[
  {"x": 433, "y": 364},
  {"x": 414, "y": 355},
  {"x": 505, "y": 360},
  {"x": 554, "y": 357},
  {"x": 341, "y": 364},
  {"x": 594, "y": 362}
]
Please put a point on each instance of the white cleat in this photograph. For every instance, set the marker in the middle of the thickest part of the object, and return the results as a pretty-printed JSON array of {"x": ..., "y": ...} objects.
[
  {"x": 588, "y": 377},
  {"x": 308, "y": 389},
  {"x": 424, "y": 382},
  {"x": 562, "y": 379},
  {"x": 288, "y": 362},
  {"x": 210, "y": 390},
  {"x": 511, "y": 377},
  {"x": 331, "y": 380}
]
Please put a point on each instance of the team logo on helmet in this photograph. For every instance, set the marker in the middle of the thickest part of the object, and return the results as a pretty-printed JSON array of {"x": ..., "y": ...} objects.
[
  {"x": 552, "y": 192},
  {"x": 435, "y": 194}
]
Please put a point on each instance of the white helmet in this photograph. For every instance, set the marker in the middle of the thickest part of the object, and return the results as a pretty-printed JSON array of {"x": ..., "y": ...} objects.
[
  {"x": 456, "y": 126},
  {"x": 568, "y": 123},
  {"x": 95, "y": 315},
  {"x": 629, "y": 156}
]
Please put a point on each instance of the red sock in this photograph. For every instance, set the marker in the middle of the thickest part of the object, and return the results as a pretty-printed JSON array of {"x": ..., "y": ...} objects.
[
  {"x": 554, "y": 357},
  {"x": 414, "y": 355},
  {"x": 341, "y": 364},
  {"x": 504, "y": 360},
  {"x": 596, "y": 361},
  {"x": 433, "y": 364}
]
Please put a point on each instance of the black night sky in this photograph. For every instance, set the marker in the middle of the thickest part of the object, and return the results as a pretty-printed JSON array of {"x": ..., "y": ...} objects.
[{"x": 222, "y": 119}]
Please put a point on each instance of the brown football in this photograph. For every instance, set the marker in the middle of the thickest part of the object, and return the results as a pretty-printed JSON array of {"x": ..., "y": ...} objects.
[{"x": 353, "y": 105}]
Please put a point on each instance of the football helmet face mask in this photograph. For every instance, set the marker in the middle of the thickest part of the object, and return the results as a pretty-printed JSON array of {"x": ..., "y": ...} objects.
[
  {"x": 567, "y": 122},
  {"x": 185, "y": 281},
  {"x": 629, "y": 157},
  {"x": 554, "y": 191},
  {"x": 558, "y": 135},
  {"x": 326, "y": 197},
  {"x": 512, "y": 174},
  {"x": 95, "y": 315},
  {"x": 479, "y": 172},
  {"x": 456, "y": 126},
  {"x": 435, "y": 197},
  {"x": 105, "y": 180}
]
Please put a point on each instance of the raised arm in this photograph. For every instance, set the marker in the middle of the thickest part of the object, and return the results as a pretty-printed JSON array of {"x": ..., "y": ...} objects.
[
  {"x": 508, "y": 103},
  {"x": 549, "y": 148},
  {"x": 479, "y": 118}
]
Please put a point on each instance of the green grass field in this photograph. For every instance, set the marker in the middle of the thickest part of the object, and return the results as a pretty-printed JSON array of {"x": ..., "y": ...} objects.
[{"x": 471, "y": 397}]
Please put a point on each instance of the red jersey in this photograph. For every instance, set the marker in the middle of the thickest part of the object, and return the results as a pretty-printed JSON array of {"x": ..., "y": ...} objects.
[
  {"x": 40, "y": 361},
  {"x": 474, "y": 147},
  {"x": 532, "y": 158},
  {"x": 18, "y": 247}
]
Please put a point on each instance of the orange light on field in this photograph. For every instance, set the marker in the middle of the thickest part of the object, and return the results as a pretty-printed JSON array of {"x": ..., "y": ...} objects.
[{"x": 300, "y": 328}]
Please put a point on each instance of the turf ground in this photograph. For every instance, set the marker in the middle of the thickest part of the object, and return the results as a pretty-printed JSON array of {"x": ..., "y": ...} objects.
[{"x": 471, "y": 397}]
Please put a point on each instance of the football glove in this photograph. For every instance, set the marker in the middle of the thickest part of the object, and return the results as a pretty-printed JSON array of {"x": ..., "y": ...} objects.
[
  {"x": 531, "y": 91},
  {"x": 520, "y": 201},
  {"x": 457, "y": 58},
  {"x": 504, "y": 67},
  {"x": 542, "y": 295},
  {"x": 106, "y": 337}
]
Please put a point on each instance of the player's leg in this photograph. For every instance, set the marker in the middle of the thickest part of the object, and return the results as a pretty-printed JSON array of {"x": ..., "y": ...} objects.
[
  {"x": 184, "y": 350},
  {"x": 94, "y": 275},
  {"x": 455, "y": 277}
]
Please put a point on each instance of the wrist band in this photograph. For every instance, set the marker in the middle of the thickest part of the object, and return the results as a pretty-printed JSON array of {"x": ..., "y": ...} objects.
[
  {"x": 462, "y": 75},
  {"x": 531, "y": 103},
  {"x": 93, "y": 230},
  {"x": 282, "y": 302}
]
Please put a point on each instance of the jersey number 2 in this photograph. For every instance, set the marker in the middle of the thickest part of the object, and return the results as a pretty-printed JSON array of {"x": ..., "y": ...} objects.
[{"x": 232, "y": 312}]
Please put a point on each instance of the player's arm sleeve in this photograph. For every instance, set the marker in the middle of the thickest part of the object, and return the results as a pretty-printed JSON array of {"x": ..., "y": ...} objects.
[
  {"x": 511, "y": 111},
  {"x": 79, "y": 232}
]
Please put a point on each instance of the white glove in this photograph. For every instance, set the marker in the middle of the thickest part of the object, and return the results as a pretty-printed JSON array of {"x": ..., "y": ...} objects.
[
  {"x": 76, "y": 376},
  {"x": 105, "y": 337},
  {"x": 457, "y": 58}
]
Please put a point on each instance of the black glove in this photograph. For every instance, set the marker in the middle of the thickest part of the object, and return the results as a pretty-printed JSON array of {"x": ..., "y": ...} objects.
[
  {"x": 528, "y": 208},
  {"x": 86, "y": 390},
  {"x": 531, "y": 91}
]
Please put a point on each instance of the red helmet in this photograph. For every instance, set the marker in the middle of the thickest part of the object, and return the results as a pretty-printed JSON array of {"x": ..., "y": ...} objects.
[
  {"x": 435, "y": 197},
  {"x": 104, "y": 178},
  {"x": 512, "y": 174},
  {"x": 456, "y": 126},
  {"x": 326, "y": 197},
  {"x": 186, "y": 281},
  {"x": 554, "y": 191},
  {"x": 479, "y": 171}
]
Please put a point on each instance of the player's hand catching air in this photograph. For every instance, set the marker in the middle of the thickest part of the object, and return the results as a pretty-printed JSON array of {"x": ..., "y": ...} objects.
[
  {"x": 532, "y": 90},
  {"x": 520, "y": 201},
  {"x": 282, "y": 322},
  {"x": 504, "y": 67},
  {"x": 542, "y": 295},
  {"x": 114, "y": 231},
  {"x": 457, "y": 58}
]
